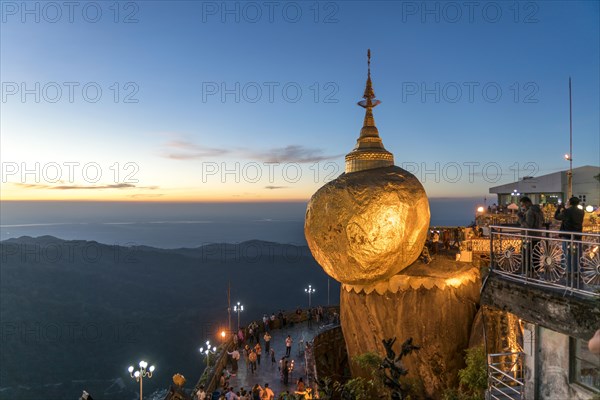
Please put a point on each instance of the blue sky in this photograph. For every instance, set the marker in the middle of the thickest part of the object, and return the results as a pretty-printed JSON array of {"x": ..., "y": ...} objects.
[{"x": 181, "y": 136}]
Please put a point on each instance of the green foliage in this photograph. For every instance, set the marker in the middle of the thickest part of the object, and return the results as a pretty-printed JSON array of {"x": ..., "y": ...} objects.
[
  {"x": 414, "y": 387},
  {"x": 326, "y": 387},
  {"x": 369, "y": 360},
  {"x": 355, "y": 389},
  {"x": 450, "y": 394},
  {"x": 358, "y": 388},
  {"x": 454, "y": 394},
  {"x": 472, "y": 378}
]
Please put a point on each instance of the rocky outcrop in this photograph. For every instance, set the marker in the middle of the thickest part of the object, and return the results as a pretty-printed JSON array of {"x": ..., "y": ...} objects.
[{"x": 435, "y": 304}]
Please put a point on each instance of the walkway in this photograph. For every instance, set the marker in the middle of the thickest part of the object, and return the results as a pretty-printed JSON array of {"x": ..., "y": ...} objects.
[{"x": 268, "y": 372}]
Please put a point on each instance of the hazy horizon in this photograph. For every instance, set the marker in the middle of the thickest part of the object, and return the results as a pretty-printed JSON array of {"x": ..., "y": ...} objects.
[{"x": 173, "y": 225}]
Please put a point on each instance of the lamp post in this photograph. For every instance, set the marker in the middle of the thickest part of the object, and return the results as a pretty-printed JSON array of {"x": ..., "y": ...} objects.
[
  {"x": 141, "y": 373},
  {"x": 478, "y": 211},
  {"x": 569, "y": 157},
  {"x": 208, "y": 351},
  {"x": 238, "y": 308},
  {"x": 310, "y": 290}
]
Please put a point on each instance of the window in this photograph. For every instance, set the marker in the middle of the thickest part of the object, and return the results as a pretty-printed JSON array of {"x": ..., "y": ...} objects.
[{"x": 585, "y": 366}]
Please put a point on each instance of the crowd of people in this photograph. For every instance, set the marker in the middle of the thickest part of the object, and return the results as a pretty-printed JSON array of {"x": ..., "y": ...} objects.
[
  {"x": 253, "y": 344},
  {"x": 445, "y": 238},
  {"x": 258, "y": 392}
]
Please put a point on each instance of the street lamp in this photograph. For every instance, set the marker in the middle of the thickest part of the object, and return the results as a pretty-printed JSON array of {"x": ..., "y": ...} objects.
[
  {"x": 310, "y": 290},
  {"x": 140, "y": 374},
  {"x": 569, "y": 158},
  {"x": 238, "y": 308},
  {"x": 478, "y": 211},
  {"x": 208, "y": 351}
]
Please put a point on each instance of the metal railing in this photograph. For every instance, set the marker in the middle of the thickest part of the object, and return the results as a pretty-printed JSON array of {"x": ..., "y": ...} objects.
[
  {"x": 505, "y": 376},
  {"x": 556, "y": 259}
]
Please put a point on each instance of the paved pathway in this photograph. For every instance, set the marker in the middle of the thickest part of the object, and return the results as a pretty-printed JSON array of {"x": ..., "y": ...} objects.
[{"x": 268, "y": 372}]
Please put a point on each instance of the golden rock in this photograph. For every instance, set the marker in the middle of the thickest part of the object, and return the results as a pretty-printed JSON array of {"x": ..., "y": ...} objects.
[{"x": 367, "y": 225}]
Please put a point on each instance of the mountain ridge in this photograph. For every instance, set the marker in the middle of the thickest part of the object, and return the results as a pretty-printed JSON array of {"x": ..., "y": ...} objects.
[{"x": 90, "y": 309}]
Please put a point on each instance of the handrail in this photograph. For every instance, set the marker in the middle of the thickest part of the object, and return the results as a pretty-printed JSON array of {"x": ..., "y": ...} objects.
[
  {"x": 517, "y": 228},
  {"x": 547, "y": 258},
  {"x": 500, "y": 381}
]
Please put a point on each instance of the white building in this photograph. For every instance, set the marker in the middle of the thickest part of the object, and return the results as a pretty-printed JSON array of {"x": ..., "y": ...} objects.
[{"x": 551, "y": 188}]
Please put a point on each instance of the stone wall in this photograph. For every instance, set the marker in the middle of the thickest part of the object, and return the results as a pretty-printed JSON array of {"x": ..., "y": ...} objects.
[
  {"x": 330, "y": 355},
  {"x": 547, "y": 366}
]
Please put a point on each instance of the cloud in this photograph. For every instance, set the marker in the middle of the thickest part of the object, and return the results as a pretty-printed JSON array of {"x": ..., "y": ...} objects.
[
  {"x": 185, "y": 150},
  {"x": 276, "y": 187},
  {"x": 293, "y": 153},
  {"x": 83, "y": 187}
]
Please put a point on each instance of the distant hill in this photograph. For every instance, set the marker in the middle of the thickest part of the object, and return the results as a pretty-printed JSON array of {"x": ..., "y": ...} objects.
[{"x": 75, "y": 314}]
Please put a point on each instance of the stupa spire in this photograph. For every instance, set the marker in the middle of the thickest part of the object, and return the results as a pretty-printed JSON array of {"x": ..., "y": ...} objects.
[
  {"x": 369, "y": 151},
  {"x": 369, "y": 93}
]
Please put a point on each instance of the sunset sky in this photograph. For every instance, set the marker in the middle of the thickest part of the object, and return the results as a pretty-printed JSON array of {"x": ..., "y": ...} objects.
[{"x": 188, "y": 101}]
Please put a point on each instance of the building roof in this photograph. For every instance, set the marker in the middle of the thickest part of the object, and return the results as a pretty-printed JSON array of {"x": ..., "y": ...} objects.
[{"x": 549, "y": 183}]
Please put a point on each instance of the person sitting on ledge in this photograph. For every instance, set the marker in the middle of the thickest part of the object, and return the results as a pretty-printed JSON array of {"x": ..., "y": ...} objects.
[{"x": 300, "y": 387}]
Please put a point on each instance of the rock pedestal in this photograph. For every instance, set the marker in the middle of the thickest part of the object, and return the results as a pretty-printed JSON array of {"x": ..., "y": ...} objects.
[{"x": 435, "y": 304}]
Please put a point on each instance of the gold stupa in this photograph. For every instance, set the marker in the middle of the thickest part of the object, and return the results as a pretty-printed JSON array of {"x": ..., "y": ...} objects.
[
  {"x": 371, "y": 222},
  {"x": 369, "y": 151}
]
